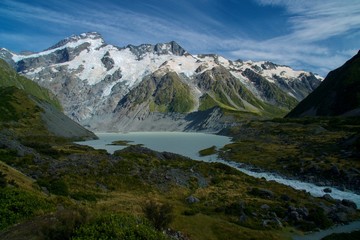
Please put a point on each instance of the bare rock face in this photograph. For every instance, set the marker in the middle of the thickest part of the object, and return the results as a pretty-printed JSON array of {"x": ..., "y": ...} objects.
[{"x": 157, "y": 87}]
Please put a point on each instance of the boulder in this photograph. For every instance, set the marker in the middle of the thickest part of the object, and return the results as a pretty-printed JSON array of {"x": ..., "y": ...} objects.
[
  {"x": 277, "y": 221},
  {"x": 243, "y": 218},
  {"x": 191, "y": 199},
  {"x": 303, "y": 211},
  {"x": 349, "y": 203},
  {"x": 340, "y": 217},
  {"x": 295, "y": 216},
  {"x": 285, "y": 197},
  {"x": 265, "y": 207},
  {"x": 327, "y": 197},
  {"x": 264, "y": 193}
]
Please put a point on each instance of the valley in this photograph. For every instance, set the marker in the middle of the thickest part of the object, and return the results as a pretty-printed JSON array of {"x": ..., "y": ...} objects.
[{"x": 53, "y": 188}]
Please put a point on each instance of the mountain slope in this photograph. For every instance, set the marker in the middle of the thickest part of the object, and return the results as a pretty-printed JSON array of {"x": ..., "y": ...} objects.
[
  {"x": 338, "y": 94},
  {"x": 28, "y": 109},
  {"x": 8, "y": 77},
  {"x": 165, "y": 93},
  {"x": 97, "y": 82}
]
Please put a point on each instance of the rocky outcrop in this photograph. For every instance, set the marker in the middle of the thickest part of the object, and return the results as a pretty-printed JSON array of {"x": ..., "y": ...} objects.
[
  {"x": 61, "y": 125},
  {"x": 269, "y": 91}
]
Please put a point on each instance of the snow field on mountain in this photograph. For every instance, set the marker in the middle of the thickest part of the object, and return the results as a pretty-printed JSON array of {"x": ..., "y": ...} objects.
[{"x": 90, "y": 77}]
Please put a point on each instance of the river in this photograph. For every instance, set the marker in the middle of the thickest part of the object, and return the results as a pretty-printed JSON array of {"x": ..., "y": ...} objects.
[{"x": 189, "y": 144}]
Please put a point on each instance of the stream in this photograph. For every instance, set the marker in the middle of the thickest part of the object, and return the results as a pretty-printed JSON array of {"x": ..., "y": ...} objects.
[{"x": 189, "y": 144}]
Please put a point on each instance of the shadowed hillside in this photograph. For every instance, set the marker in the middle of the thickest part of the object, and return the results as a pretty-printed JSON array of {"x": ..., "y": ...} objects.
[{"x": 338, "y": 94}]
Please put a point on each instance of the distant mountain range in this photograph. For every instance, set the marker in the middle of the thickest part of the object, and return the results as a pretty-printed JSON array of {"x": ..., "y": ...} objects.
[
  {"x": 158, "y": 87},
  {"x": 337, "y": 95}
]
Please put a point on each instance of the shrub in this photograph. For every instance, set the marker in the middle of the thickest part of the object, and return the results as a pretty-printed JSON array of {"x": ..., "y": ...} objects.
[
  {"x": 16, "y": 205},
  {"x": 160, "y": 215},
  {"x": 318, "y": 216},
  {"x": 65, "y": 223},
  {"x": 3, "y": 181},
  {"x": 83, "y": 196},
  {"x": 118, "y": 227},
  {"x": 190, "y": 212},
  {"x": 55, "y": 186},
  {"x": 7, "y": 156}
]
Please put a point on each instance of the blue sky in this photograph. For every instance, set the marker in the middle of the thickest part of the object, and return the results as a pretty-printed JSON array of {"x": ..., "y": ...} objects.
[{"x": 316, "y": 35}]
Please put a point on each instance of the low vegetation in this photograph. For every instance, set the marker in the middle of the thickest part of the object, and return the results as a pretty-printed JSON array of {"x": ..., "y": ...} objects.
[
  {"x": 9, "y": 78},
  {"x": 324, "y": 150},
  {"x": 17, "y": 205},
  {"x": 160, "y": 215},
  {"x": 51, "y": 188},
  {"x": 121, "y": 143},
  {"x": 208, "y": 151},
  {"x": 186, "y": 196},
  {"x": 343, "y": 236},
  {"x": 117, "y": 226}
]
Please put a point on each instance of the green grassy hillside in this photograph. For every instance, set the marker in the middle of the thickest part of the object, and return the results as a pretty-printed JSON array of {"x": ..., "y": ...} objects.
[
  {"x": 105, "y": 195},
  {"x": 19, "y": 113},
  {"x": 167, "y": 93},
  {"x": 172, "y": 95},
  {"x": 8, "y": 77},
  {"x": 224, "y": 90},
  {"x": 30, "y": 110}
]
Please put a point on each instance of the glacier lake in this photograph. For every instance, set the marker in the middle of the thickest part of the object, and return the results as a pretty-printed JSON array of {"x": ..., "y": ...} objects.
[
  {"x": 184, "y": 143},
  {"x": 190, "y": 143}
]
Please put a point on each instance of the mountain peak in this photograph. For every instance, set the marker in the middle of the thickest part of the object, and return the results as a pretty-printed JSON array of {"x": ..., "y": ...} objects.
[
  {"x": 160, "y": 49},
  {"x": 88, "y": 36},
  {"x": 170, "y": 47}
]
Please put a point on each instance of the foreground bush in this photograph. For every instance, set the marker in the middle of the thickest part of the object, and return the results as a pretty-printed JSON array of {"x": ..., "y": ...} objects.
[
  {"x": 160, "y": 215},
  {"x": 118, "y": 227},
  {"x": 16, "y": 205}
]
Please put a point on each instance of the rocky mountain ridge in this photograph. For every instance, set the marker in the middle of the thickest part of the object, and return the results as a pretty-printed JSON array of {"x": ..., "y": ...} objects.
[
  {"x": 337, "y": 95},
  {"x": 99, "y": 83}
]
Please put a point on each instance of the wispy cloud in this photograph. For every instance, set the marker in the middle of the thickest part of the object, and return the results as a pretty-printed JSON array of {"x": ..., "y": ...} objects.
[
  {"x": 311, "y": 23},
  {"x": 117, "y": 24},
  {"x": 318, "y": 19}
]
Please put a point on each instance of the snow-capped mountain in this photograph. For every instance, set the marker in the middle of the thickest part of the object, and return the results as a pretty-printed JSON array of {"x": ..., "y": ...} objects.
[{"x": 111, "y": 88}]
